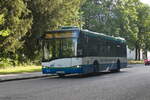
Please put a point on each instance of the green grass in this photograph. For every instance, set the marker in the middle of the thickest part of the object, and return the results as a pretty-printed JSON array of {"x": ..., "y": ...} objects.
[
  {"x": 136, "y": 62},
  {"x": 20, "y": 69}
]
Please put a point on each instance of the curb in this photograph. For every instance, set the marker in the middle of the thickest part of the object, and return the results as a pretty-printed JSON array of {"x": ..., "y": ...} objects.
[{"x": 24, "y": 78}]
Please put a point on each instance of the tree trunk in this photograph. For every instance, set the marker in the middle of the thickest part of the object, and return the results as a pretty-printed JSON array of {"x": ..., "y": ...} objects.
[
  {"x": 136, "y": 53},
  {"x": 145, "y": 55},
  {"x": 139, "y": 54}
]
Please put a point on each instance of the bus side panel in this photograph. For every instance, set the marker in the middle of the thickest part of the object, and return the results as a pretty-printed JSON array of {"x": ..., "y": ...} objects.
[
  {"x": 87, "y": 68},
  {"x": 105, "y": 63}
]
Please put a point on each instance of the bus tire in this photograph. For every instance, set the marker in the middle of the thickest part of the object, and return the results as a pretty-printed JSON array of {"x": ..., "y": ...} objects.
[
  {"x": 96, "y": 66},
  {"x": 61, "y": 75},
  {"x": 117, "y": 67}
]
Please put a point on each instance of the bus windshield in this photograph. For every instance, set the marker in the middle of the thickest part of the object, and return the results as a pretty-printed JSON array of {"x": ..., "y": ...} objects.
[{"x": 59, "y": 48}]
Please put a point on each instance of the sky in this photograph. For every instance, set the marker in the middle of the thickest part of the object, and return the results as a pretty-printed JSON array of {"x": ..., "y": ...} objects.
[{"x": 146, "y": 1}]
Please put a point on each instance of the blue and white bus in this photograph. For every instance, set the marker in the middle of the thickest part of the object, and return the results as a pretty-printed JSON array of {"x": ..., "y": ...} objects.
[{"x": 71, "y": 50}]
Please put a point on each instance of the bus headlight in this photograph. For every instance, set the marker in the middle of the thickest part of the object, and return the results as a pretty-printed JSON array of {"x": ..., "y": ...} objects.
[
  {"x": 43, "y": 67},
  {"x": 78, "y": 66}
]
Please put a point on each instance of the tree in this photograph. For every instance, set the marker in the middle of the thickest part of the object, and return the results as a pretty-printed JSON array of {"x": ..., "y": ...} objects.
[
  {"x": 18, "y": 21},
  {"x": 50, "y": 15},
  {"x": 97, "y": 15},
  {"x": 124, "y": 18},
  {"x": 143, "y": 24},
  {"x": 134, "y": 24},
  {"x": 113, "y": 17}
]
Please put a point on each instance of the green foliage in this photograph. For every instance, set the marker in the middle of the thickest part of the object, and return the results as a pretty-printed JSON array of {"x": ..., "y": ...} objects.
[
  {"x": 50, "y": 15},
  {"x": 143, "y": 24},
  {"x": 99, "y": 16},
  {"x": 23, "y": 21},
  {"x": 3, "y": 32},
  {"x": 129, "y": 19},
  {"x": 126, "y": 17},
  {"x": 2, "y": 19},
  {"x": 113, "y": 17},
  {"x": 5, "y": 62},
  {"x": 17, "y": 23}
]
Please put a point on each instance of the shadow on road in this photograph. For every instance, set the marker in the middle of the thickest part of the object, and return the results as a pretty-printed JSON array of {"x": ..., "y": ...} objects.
[{"x": 88, "y": 75}]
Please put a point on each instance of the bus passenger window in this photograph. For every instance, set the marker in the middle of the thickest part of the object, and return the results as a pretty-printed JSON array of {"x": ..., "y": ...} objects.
[{"x": 79, "y": 52}]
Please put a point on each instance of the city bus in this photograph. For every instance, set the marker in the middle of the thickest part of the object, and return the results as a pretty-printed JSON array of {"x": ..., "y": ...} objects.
[{"x": 71, "y": 50}]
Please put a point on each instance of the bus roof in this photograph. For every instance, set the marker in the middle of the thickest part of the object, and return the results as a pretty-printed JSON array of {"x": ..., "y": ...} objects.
[
  {"x": 95, "y": 34},
  {"x": 61, "y": 30},
  {"x": 89, "y": 33}
]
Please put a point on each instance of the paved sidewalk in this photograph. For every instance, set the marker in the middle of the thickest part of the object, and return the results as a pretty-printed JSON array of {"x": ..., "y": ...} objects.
[{"x": 11, "y": 77}]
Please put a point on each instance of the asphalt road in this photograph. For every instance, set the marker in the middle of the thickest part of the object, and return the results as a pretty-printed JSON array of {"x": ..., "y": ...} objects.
[{"x": 130, "y": 84}]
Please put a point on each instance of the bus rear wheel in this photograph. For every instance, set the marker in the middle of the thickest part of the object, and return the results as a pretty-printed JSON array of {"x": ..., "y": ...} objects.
[
  {"x": 96, "y": 66},
  {"x": 117, "y": 68}
]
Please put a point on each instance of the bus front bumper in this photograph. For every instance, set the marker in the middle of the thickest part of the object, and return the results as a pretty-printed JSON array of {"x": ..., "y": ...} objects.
[{"x": 66, "y": 70}]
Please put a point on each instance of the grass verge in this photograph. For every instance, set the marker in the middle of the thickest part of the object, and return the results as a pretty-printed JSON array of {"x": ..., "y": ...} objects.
[
  {"x": 20, "y": 69},
  {"x": 135, "y": 62}
]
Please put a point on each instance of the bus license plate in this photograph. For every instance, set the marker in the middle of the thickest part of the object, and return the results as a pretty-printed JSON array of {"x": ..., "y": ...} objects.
[{"x": 60, "y": 72}]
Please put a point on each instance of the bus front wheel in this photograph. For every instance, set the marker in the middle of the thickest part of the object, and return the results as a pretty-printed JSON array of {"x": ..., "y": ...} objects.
[
  {"x": 96, "y": 66},
  {"x": 61, "y": 75},
  {"x": 118, "y": 66}
]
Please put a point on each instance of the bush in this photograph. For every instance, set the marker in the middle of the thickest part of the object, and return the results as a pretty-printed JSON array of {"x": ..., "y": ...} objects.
[{"x": 6, "y": 62}]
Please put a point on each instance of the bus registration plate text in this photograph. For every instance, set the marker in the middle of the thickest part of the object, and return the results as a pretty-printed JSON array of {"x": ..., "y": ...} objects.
[{"x": 60, "y": 72}]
